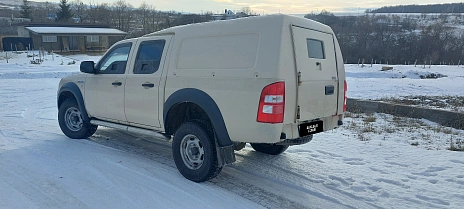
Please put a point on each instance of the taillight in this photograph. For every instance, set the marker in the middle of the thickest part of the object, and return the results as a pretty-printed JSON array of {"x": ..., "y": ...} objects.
[
  {"x": 272, "y": 103},
  {"x": 344, "y": 93}
]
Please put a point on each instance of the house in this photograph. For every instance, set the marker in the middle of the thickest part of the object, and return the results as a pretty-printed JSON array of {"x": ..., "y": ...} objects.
[
  {"x": 8, "y": 31},
  {"x": 70, "y": 37}
]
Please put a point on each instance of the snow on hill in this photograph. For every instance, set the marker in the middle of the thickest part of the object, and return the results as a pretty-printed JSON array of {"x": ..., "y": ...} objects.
[{"x": 373, "y": 161}]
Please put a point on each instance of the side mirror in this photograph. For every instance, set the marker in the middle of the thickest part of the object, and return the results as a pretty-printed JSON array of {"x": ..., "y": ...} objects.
[{"x": 88, "y": 67}]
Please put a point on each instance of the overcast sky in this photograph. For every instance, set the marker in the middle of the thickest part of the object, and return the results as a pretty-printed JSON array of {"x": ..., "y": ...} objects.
[{"x": 270, "y": 6}]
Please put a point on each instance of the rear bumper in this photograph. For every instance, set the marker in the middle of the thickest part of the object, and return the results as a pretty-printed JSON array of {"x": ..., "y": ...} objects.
[
  {"x": 297, "y": 141},
  {"x": 279, "y": 133}
]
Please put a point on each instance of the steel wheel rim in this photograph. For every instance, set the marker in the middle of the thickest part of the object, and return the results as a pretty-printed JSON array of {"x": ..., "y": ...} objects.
[
  {"x": 192, "y": 152},
  {"x": 73, "y": 119}
]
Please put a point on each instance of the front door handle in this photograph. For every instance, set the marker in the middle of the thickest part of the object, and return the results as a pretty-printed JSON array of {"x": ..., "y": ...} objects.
[
  {"x": 148, "y": 85},
  {"x": 117, "y": 83}
]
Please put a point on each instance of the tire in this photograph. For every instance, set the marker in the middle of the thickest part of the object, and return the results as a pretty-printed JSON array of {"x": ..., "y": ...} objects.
[
  {"x": 194, "y": 152},
  {"x": 271, "y": 149},
  {"x": 71, "y": 121}
]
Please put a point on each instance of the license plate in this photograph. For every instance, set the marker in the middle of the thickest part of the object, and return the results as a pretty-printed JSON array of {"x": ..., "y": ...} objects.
[{"x": 311, "y": 128}]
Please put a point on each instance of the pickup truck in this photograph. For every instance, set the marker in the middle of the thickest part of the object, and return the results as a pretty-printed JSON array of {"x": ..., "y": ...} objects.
[{"x": 270, "y": 81}]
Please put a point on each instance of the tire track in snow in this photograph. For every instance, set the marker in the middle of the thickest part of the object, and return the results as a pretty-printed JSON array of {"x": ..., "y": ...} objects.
[
  {"x": 36, "y": 191},
  {"x": 291, "y": 180},
  {"x": 244, "y": 179},
  {"x": 160, "y": 151}
]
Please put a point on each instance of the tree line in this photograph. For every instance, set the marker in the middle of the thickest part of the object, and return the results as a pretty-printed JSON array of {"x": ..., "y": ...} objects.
[
  {"x": 431, "y": 8},
  {"x": 377, "y": 38},
  {"x": 396, "y": 39}
]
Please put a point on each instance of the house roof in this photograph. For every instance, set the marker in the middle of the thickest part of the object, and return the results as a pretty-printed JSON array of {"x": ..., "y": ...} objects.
[
  {"x": 75, "y": 31},
  {"x": 61, "y": 24}
]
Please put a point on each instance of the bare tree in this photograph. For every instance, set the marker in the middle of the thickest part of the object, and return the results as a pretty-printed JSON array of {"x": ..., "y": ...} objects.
[
  {"x": 80, "y": 11},
  {"x": 143, "y": 15},
  {"x": 122, "y": 15},
  {"x": 99, "y": 13},
  {"x": 246, "y": 10}
]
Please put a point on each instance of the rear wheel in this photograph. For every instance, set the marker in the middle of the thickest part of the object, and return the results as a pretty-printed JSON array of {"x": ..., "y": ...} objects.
[
  {"x": 271, "y": 149},
  {"x": 71, "y": 121},
  {"x": 194, "y": 152}
]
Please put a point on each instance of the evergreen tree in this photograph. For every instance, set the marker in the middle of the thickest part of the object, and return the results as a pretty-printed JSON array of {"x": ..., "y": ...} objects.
[
  {"x": 64, "y": 13},
  {"x": 26, "y": 9}
]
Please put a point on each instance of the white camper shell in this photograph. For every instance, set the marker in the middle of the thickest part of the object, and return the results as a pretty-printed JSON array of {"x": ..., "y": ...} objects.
[{"x": 232, "y": 61}]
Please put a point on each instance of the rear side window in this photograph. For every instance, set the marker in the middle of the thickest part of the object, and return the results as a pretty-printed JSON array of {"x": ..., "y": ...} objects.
[
  {"x": 315, "y": 48},
  {"x": 149, "y": 57}
]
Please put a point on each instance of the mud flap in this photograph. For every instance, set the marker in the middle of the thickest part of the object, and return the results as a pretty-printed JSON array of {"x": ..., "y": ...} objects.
[{"x": 226, "y": 155}]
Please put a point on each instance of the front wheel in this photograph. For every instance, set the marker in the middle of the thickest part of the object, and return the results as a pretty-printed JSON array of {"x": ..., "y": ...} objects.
[
  {"x": 71, "y": 121},
  {"x": 271, "y": 149},
  {"x": 194, "y": 152}
]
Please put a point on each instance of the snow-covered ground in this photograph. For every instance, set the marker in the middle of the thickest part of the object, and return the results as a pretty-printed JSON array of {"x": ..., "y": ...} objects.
[
  {"x": 373, "y": 161},
  {"x": 405, "y": 84},
  {"x": 404, "y": 80}
]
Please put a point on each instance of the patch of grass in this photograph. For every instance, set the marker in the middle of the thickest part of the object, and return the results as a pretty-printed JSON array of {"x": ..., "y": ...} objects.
[
  {"x": 352, "y": 115},
  {"x": 362, "y": 137},
  {"x": 370, "y": 118},
  {"x": 396, "y": 118},
  {"x": 456, "y": 146},
  {"x": 419, "y": 122},
  {"x": 415, "y": 143},
  {"x": 389, "y": 130},
  {"x": 447, "y": 131},
  {"x": 353, "y": 125},
  {"x": 426, "y": 136},
  {"x": 348, "y": 114},
  {"x": 368, "y": 128}
]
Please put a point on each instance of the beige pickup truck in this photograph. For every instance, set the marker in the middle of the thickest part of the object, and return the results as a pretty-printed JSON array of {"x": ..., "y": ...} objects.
[{"x": 271, "y": 81}]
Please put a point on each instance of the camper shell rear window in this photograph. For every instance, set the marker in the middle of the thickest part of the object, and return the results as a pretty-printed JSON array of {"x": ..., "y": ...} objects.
[{"x": 315, "y": 48}]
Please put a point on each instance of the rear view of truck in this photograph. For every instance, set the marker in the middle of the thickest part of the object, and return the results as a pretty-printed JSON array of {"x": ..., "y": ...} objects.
[
  {"x": 321, "y": 91},
  {"x": 309, "y": 96}
]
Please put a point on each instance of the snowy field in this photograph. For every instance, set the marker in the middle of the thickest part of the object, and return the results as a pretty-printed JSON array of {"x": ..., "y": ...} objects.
[
  {"x": 373, "y": 161},
  {"x": 403, "y": 80},
  {"x": 404, "y": 84}
]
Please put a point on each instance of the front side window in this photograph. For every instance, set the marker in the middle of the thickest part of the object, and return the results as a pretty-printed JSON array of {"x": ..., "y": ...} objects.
[
  {"x": 315, "y": 48},
  {"x": 115, "y": 61},
  {"x": 149, "y": 57},
  {"x": 46, "y": 39}
]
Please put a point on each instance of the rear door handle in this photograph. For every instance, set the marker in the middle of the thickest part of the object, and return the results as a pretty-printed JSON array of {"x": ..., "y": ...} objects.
[
  {"x": 148, "y": 85},
  {"x": 117, "y": 83}
]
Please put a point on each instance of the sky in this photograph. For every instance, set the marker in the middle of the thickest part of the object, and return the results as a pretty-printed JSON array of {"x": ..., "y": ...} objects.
[{"x": 270, "y": 6}]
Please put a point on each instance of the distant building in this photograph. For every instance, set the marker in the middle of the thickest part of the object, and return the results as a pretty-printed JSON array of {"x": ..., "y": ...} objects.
[
  {"x": 229, "y": 15},
  {"x": 51, "y": 17},
  {"x": 8, "y": 30},
  {"x": 67, "y": 37}
]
